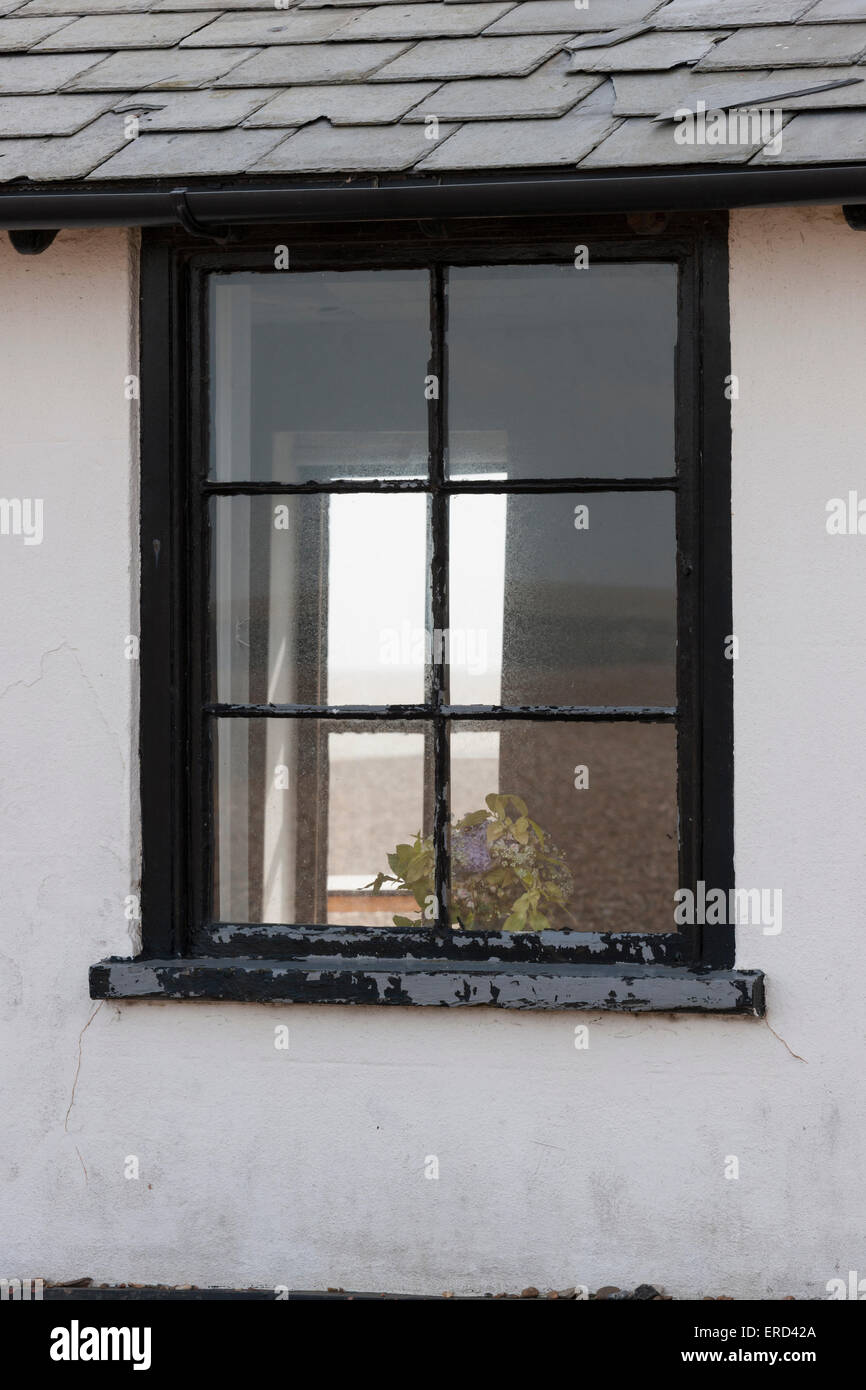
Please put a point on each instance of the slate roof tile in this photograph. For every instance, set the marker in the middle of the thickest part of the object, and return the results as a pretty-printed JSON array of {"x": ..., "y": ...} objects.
[
  {"x": 265, "y": 30},
  {"x": 78, "y": 7},
  {"x": 342, "y": 4},
  {"x": 481, "y": 57},
  {"x": 161, "y": 156},
  {"x": 323, "y": 148},
  {"x": 49, "y": 115},
  {"x": 831, "y": 11},
  {"x": 650, "y": 93},
  {"x": 159, "y": 67},
  {"x": 17, "y": 36},
  {"x": 70, "y": 157},
  {"x": 605, "y": 14},
  {"x": 647, "y": 143},
  {"x": 610, "y": 37},
  {"x": 228, "y": 87},
  {"x": 127, "y": 31},
  {"x": 512, "y": 144},
  {"x": 304, "y": 63},
  {"x": 22, "y": 73},
  {"x": 697, "y": 14},
  {"x": 805, "y": 138},
  {"x": 354, "y": 103},
  {"x": 160, "y": 6},
  {"x": 601, "y": 98},
  {"x": 181, "y": 111},
  {"x": 82, "y": 7},
  {"x": 549, "y": 91},
  {"x": 561, "y": 17},
  {"x": 790, "y": 89},
  {"x": 788, "y": 46},
  {"x": 422, "y": 21},
  {"x": 661, "y": 94},
  {"x": 650, "y": 51}
]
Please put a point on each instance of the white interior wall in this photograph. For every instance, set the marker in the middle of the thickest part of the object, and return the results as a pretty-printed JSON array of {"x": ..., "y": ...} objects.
[{"x": 557, "y": 1166}]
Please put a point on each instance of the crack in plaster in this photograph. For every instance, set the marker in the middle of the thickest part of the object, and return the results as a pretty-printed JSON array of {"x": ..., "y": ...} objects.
[
  {"x": 28, "y": 685},
  {"x": 782, "y": 1040},
  {"x": 77, "y": 1071}
]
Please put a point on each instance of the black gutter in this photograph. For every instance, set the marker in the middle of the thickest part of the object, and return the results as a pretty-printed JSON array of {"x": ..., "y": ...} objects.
[{"x": 546, "y": 194}]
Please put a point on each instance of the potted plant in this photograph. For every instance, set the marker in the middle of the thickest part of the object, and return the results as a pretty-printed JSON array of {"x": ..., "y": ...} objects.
[{"x": 506, "y": 874}]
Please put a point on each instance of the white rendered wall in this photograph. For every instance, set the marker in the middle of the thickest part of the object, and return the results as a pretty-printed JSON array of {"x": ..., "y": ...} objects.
[{"x": 557, "y": 1166}]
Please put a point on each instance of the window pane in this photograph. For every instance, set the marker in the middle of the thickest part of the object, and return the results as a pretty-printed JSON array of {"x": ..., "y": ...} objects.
[
  {"x": 319, "y": 375},
  {"x": 306, "y": 813},
  {"x": 557, "y": 372},
  {"x": 604, "y": 800},
  {"x": 563, "y": 599},
  {"x": 318, "y": 599}
]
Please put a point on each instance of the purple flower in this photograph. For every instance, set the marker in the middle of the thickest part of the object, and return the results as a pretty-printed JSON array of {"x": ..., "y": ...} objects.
[{"x": 471, "y": 851}]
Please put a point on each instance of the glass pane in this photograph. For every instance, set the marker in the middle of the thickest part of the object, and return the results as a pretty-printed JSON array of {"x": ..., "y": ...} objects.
[
  {"x": 319, "y": 375},
  {"x": 583, "y": 836},
  {"x": 318, "y": 599},
  {"x": 563, "y": 599},
  {"x": 307, "y": 812},
  {"x": 556, "y": 372}
]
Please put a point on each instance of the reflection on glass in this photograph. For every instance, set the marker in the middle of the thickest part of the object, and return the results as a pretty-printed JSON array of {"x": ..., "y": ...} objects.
[
  {"x": 305, "y": 811},
  {"x": 563, "y": 599},
  {"x": 318, "y": 600},
  {"x": 556, "y": 372},
  {"x": 319, "y": 375},
  {"x": 564, "y": 826}
]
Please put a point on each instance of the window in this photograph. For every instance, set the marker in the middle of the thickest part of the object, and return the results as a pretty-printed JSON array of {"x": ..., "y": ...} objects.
[{"x": 435, "y": 593}]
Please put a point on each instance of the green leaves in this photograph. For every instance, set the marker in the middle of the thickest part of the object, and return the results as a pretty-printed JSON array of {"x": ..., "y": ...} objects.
[
  {"x": 498, "y": 803},
  {"x": 520, "y": 830},
  {"x": 399, "y": 859},
  {"x": 506, "y": 874}
]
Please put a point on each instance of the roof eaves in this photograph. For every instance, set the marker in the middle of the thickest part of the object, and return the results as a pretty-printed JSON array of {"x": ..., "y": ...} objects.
[{"x": 363, "y": 199}]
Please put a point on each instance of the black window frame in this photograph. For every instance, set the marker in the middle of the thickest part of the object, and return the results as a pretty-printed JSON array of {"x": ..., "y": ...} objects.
[{"x": 692, "y": 968}]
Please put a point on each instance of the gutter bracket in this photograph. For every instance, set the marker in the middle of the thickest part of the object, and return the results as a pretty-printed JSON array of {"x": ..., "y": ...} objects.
[
  {"x": 31, "y": 243},
  {"x": 191, "y": 224},
  {"x": 855, "y": 216}
]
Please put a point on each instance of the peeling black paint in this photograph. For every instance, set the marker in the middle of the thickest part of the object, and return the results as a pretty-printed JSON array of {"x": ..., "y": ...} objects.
[
  {"x": 334, "y": 980},
  {"x": 276, "y": 942}
]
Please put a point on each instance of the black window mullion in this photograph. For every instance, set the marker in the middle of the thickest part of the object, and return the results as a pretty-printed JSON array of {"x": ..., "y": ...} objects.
[
  {"x": 689, "y": 586},
  {"x": 714, "y": 773},
  {"x": 165, "y": 842},
  {"x": 494, "y": 486},
  {"x": 589, "y": 714},
  {"x": 201, "y": 727},
  {"x": 439, "y": 592}
]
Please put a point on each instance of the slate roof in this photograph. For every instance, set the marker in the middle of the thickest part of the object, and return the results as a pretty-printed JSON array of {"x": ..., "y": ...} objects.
[{"x": 142, "y": 91}]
